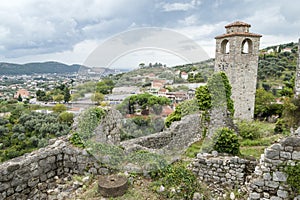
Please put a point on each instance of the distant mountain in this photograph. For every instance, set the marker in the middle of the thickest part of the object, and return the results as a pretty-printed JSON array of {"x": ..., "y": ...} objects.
[
  {"x": 46, "y": 68},
  {"x": 37, "y": 68}
]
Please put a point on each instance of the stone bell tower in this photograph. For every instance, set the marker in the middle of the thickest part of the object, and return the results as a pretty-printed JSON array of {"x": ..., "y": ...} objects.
[{"x": 237, "y": 55}]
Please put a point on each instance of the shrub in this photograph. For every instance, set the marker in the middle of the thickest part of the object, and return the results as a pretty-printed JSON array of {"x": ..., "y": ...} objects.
[
  {"x": 293, "y": 178},
  {"x": 174, "y": 116},
  {"x": 281, "y": 127},
  {"x": 226, "y": 141},
  {"x": 248, "y": 130},
  {"x": 66, "y": 117},
  {"x": 179, "y": 182},
  {"x": 76, "y": 140}
]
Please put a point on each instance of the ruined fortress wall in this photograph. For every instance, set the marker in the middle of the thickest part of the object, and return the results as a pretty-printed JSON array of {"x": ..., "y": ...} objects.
[
  {"x": 269, "y": 180},
  {"x": 179, "y": 136},
  {"x": 265, "y": 179},
  {"x": 223, "y": 171},
  {"x": 31, "y": 175}
]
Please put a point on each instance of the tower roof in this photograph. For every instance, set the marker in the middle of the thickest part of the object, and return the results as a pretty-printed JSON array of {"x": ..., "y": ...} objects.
[
  {"x": 237, "y": 23},
  {"x": 238, "y": 28}
]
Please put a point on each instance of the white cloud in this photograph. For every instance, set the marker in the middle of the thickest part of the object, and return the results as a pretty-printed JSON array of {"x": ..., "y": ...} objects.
[
  {"x": 189, "y": 21},
  {"x": 168, "y": 7},
  {"x": 35, "y": 30},
  {"x": 77, "y": 54},
  {"x": 177, "y": 7}
]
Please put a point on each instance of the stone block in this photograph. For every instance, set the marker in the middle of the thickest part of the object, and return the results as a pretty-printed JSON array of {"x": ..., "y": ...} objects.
[
  {"x": 288, "y": 148},
  {"x": 276, "y": 147},
  {"x": 275, "y": 198},
  {"x": 16, "y": 181},
  {"x": 4, "y": 186},
  {"x": 10, "y": 191},
  {"x": 292, "y": 141},
  {"x": 282, "y": 193},
  {"x": 254, "y": 196},
  {"x": 272, "y": 184},
  {"x": 296, "y": 155},
  {"x": 12, "y": 167},
  {"x": 50, "y": 174},
  {"x": 266, "y": 195},
  {"x": 259, "y": 182},
  {"x": 267, "y": 176},
  {"x": 21, "y": 187},
  {"x": 285, "y": 155},
  {"x": 279, "y": 176},
  {"x": 272, "y": 154},
  {"x": 33, "y": 182}
]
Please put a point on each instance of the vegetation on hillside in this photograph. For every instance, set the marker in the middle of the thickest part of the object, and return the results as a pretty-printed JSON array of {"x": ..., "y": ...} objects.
[
  {"x": 23, "y": 130},
  {"x": 37, "y": 68}
]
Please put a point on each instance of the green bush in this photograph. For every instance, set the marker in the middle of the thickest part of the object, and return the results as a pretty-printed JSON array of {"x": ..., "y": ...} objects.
[
  {"x": 174, "y": 116},
  {"x": 281, "y": 127},
  {"x": 179, "y": 182},
  {"x": 293, "y": 178},
  {"x": 226, "y": 141},
  {"x": 76, "y": 140},
  {"x": 248, "y": 130}
]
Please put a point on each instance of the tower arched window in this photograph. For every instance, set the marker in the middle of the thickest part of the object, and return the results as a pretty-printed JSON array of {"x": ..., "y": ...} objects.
[
  {"x": 247, "y": 46},
  {"x": 225, "y": 46}
]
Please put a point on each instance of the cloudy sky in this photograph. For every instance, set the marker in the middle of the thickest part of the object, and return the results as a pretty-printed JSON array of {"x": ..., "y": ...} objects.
[{"x": 68, "y": 31}]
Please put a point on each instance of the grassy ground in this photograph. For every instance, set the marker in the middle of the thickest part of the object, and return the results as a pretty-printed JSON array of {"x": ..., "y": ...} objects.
[{"x": 248, "y": 147}]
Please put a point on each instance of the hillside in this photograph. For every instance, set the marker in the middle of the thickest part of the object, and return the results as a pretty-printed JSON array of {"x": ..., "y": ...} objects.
[
  {"x": 37, "y": 68},
  {"x": 277, "y": 64}
]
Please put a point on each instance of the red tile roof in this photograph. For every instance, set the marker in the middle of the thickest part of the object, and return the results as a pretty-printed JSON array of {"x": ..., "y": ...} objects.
[{"x": 237, "y": 23}]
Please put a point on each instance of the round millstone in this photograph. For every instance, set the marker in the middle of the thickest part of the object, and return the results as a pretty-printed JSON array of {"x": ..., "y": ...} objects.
[{"x": 112, "y": 185}]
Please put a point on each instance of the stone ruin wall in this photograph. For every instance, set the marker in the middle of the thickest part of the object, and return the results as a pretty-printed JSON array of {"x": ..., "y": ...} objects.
[
  {"x": 268, "y": 180},
  {"x": 31, "y": 175},
  {"x": 179, "y": 136},
  {"x": 222, "y": 171},
  {"x": 260, "y": 180}
]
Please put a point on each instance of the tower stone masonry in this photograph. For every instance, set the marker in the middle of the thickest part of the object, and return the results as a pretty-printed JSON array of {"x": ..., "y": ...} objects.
[{"x": 237, "y": 54}]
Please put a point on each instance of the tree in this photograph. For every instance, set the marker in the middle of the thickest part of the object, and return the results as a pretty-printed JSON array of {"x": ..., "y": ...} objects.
[
  {"x": 263, "y": 102},
  {"x": 142, "y": 65},
  {"x": 204, "y": 98},
  {"x": 97, "y": 97},
  {"x": 291, "y": 112},
  {"x": 66, "y": 117},
  {"x": 20, "y": 99},
  {"x": 105, "y": 86},
  {"x": 67, "y": 95},
  {"x": 40, "y": 95},
  {"x": 145, "y": 101},
  {"x": 58, "y": 98},
  {"x": 59, "y": 108}
]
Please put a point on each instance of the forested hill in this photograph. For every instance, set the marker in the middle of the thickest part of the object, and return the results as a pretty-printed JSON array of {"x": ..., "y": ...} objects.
[
  {"x": 37, "y": 68},
  {"x": 277, "y": 64}
]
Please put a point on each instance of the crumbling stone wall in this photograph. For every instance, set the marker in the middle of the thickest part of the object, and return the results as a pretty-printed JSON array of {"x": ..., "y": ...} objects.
[
  {"x": 31, "y": 175},
  {"x": 179, "y": 136},
  {"x": 223, "y": 171},
  {"x": 269, "y": 180}
]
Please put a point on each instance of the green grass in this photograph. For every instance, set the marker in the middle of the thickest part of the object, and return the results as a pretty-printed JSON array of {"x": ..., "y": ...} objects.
[
  {"x": 194, "y": 149},
  {"x": 254, "y": 151},
  {"x": 266, "y": 141},
  {"x": 255, "y": 148}
]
